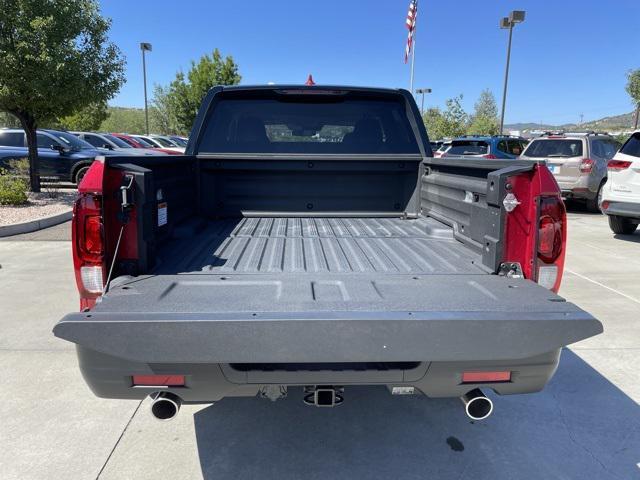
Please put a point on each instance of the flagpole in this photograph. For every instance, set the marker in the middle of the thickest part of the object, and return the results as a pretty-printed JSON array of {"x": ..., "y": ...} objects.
[{"x": 413, "y": 52}]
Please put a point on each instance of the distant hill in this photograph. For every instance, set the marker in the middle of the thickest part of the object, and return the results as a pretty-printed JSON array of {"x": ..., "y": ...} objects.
[{"x": 614, "y": 123}]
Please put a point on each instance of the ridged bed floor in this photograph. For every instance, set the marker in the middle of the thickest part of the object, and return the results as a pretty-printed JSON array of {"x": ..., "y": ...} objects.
[{"x": 316, "y": 245}]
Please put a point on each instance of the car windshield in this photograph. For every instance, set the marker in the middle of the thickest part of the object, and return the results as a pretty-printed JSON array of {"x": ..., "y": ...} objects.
[
  {"x": 144, "y": 142},
  {"x": 468, "y": 147},
  {"x": 554, "y": 148},
  {"x": 71, "y": 141},
  {"x": 632, "y": 147},
  {"x": 164, "y": 142},
  {"x": 118, "y": 141},
  {"x": 179, "y": 141}
]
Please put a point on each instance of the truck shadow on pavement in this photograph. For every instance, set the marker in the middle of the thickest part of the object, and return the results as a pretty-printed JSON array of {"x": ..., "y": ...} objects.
[{"x": 580, "y": 426}]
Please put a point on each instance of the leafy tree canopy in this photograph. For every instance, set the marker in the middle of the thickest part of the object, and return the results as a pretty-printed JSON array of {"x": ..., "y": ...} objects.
[
  {"x": 55, "y": 59},
  {"x": 185, "y": 93}
]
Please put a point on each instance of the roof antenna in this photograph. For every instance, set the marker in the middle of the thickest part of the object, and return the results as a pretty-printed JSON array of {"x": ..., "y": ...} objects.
[{"x": 310, "y": 81}]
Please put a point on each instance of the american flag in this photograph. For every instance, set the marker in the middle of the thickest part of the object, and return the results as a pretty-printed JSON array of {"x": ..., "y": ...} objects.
[{"x": 411, "y": 26}]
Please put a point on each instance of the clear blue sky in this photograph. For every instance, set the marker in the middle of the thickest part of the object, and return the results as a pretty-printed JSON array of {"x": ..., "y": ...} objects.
[{"x": 569, "y": 57}]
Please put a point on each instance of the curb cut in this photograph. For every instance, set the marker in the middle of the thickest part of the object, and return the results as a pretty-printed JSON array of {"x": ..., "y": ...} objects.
[{"x": 35, "y": 225}]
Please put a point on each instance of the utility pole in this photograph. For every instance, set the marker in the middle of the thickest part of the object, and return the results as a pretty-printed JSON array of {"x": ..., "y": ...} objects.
[
  {"x": 635, "y": 123},
  {"x": 145, "y": 47},
  {"x": 422, "y": 91},
  {"x": 515, "y": 17},
  {"x": 581, "y": 118}
]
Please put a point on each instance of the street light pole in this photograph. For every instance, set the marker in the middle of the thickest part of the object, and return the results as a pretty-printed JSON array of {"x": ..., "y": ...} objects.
[
  {"x": 145, "y": 47},
  {"x": 516, "y": 16},
  {"x": 422, "y": 91}
]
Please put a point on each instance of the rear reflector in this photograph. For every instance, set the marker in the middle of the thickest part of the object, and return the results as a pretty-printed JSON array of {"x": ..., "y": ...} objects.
[
  {"x": 547, "y": 276},
  {"x": 92, "y": 278},
  {"x": 484, "y": 377},
  {"x": 605, "y": 205},
  {"x": 158, "y": 380}
]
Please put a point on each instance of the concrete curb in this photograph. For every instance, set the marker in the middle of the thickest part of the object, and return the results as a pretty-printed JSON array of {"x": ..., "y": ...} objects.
[{"x": 35, "y": 225}]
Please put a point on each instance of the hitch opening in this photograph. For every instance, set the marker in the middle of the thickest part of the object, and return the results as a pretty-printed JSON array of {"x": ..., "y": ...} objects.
[{"x": 323, "y": 396}]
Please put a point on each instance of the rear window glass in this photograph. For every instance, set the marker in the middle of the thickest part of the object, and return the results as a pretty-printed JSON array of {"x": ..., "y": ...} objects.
[
  {"x": 468, "y": 147},
  {"x": 118, "y": 141},
  {"x": 554, "y": 148},
  {"x": 339, "y": 125},
  {"x": 632, "y": 147}
]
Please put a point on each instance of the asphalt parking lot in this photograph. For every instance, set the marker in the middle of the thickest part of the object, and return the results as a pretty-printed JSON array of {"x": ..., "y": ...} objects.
[{"x": 585, "y": 424}]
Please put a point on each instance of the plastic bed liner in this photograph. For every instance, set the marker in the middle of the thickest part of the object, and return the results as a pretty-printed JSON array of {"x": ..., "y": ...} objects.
[{"x": 355, "y": 290}]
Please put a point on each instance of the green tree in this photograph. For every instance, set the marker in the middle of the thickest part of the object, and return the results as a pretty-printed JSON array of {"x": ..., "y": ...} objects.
[
  {"x": 185, "y": 94},
  {"x": 55, "y": 59},
  {"x": 124, "y": 120},
  {"x": 163, "y": 119},
  {"x": 484, "y": 120},
  {"x": 434, "y": 123},
  {"x": 452, "y": 122},
  {"x": 633, "y": 89},
  {"x": 87, "y": 119},
  {"x": 9, "y": 121}
]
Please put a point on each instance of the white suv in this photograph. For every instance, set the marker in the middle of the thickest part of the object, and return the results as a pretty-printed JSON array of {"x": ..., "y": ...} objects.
[{"x": 621, "y": 194}]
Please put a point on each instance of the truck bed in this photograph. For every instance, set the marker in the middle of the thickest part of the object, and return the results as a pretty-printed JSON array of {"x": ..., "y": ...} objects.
[{"x": 317, "y": 245}]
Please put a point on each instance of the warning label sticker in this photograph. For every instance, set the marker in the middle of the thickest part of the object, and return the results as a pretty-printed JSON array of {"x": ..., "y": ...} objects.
[{"x": 162, "y": 214}]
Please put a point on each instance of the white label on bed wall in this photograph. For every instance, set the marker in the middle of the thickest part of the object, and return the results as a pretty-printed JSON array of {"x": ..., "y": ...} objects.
[{"x": 162, "y": 214}]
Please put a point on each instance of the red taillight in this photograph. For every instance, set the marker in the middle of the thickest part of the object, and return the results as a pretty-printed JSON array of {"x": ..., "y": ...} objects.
[
  {"x": 550, "y": 229},
  {"x": 486, "y": 377},
  {"x": 158, "y": 380},
  {"x": 88, "y": 247},
  {"x": 586, "y": 165},
  {"x": 552, "y": 237},
  {"x": 535, "y": 235},
  {"x": 93, "y": 235},
  {"x": 490, "y": 156},
  {"x": 617, "y": 165}
]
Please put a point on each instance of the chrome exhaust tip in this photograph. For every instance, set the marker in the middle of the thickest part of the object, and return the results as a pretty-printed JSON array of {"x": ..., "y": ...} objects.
[
  {"x": 476, "y": 405},
  {"x": 165, "y": 405}
]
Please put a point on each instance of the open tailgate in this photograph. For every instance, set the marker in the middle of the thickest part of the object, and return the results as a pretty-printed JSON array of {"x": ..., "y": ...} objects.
[{"x": 295, "y": 318}]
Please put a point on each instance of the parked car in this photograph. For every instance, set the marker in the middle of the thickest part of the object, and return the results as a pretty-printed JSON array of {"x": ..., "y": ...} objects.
[
  {"x": 621, "y": 194},
  {"x": 111, "y": 142},
  {"x": 170, "y": 141},
  {"x": 61, "y": 155},
  {"x": 497, "y": 146},
  {"x": 159, "y": 142},
  {"x": 140, "y": 143},
  {"x": 269, "y": 258},
  {"x": 577, "y": 160},
  {"x": 181, "y": 141},
  {"x": 446, "y": 145}
]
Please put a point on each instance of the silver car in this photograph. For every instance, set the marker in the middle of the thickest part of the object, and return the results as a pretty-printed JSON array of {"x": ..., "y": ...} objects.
[{"x": 578, "y": 161}]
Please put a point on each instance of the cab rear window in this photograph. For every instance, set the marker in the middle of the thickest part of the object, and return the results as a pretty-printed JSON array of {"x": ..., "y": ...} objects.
[
  {"x": 293, "y": 124},
  {"x": 632, "y": 147},
  {"x": 554, "y": 148},
  {"x": 468, "y": 147}
]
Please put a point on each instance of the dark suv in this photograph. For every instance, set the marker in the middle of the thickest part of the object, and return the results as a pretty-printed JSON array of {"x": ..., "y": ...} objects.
[
  {"x": 61, "y": 155},
  {"x": 496, "y": 146}
]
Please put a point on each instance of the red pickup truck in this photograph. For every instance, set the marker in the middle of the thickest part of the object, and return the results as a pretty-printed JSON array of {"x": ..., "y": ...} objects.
[{"x": 308, "y": 239}]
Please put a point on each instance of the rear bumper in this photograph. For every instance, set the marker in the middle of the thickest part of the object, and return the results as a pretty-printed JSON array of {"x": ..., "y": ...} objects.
[
  {"x": 622, "y": 209},
  {"x": 110, "y": 377}
]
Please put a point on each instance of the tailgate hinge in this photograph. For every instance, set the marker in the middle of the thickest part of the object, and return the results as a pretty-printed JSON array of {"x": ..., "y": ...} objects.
[{"x": 510, "y": 270}]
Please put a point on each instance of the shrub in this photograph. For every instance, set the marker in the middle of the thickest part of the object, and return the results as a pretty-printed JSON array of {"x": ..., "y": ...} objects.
[{"x": 14, "y": 182}]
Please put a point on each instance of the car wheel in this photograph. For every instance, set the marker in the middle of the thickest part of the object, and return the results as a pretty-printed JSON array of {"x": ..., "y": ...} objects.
[
  {"x": 80, "y": 174},
  {"x": 593, "y": 204},
  {"x": 622, "y": 225}
]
